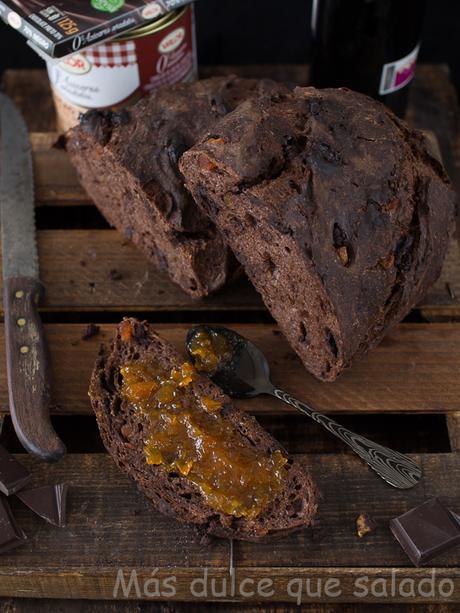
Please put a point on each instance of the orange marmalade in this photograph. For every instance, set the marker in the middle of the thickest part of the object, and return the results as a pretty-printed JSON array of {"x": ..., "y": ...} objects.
[
  {"x": 209, "y": 350},
  {"x": 188, "y": 434}
]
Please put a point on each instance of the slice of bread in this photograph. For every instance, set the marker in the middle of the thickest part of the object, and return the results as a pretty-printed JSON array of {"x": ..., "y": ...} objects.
[{"x": 124, "y": 431}]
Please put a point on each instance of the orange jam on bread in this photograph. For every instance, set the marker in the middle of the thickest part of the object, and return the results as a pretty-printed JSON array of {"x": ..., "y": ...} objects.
[
  {"x": 209, "y": 350},
  {"x": 189, "y": 434}
]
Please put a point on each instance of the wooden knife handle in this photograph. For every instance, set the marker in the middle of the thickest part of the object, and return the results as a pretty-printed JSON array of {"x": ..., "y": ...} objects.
[{"x": 28, "y": 369}]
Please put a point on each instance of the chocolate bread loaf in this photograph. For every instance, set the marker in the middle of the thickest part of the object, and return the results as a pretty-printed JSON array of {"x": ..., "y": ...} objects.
[
  {"x": 232, "y": 446},
  {"x": 336, "y": 210},
  {"x": 127, "y": 162}
]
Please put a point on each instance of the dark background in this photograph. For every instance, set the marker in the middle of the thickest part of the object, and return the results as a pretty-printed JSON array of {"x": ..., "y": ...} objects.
[{"x": 269, "y": 31}]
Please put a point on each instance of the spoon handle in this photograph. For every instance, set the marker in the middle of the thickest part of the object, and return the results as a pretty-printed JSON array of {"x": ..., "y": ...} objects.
[{"x": 395, "y": 468}]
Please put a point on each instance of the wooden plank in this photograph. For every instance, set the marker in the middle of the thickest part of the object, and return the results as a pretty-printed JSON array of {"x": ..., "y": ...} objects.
[
  {"x": 414, "y": 370},
  {"x": 56, "y": 181},
  {"x": 44, "y": 605},
  {"x": 77, "y": 267},
  {"x": 111, "y": 526},
  {"x": 396, "y": 585},
  {"x": 292, "y": 584}
]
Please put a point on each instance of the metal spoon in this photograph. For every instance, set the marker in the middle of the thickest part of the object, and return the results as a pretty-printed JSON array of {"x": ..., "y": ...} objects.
[{"x": 246, "y": 374}]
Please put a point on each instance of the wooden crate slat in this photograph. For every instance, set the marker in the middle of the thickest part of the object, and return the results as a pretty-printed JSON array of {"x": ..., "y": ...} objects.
[
  {"x": 111, "y": 525},
  {"x": 44, "y": 605},
  {"x": 95, "y": 583},
  {"x": 415, "y": 369},
  {"x": 76, "y": 267},
  {"x": 56, "y": 181}
]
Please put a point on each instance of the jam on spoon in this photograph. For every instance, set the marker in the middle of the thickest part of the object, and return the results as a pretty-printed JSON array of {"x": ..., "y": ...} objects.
[{"x": 242, "y": 371}]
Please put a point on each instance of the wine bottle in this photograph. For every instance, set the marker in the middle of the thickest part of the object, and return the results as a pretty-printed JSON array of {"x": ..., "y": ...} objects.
[{"x": 370, "y": 46}]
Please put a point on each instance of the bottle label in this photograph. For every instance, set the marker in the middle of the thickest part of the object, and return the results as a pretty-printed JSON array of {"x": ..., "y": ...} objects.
[{"x": 396, "y": 75}]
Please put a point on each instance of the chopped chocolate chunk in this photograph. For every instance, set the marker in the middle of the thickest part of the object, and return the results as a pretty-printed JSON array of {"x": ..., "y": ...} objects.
[
  {"x": 48, "y": 501},
  {"x": 115, "y": 275},
  {"x": 426, "y": 531},
  {"x": 90, "y": 330},
  {"x": 10, "y": 534},
  {"x": 13, "y": 475},
  {"x": 364, "y": 525}
]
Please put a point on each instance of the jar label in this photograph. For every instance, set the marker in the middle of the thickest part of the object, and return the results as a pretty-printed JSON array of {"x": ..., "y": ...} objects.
[
  {"x": 396, "y": 75},
  {"x": 116, "y": 72}
]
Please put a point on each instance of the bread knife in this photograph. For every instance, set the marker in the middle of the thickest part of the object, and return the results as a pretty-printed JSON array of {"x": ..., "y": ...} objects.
[{"x": 27, "y": 360}]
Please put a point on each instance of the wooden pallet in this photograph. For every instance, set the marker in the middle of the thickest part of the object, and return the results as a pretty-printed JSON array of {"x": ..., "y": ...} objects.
[{"x": 406, "y": 393}]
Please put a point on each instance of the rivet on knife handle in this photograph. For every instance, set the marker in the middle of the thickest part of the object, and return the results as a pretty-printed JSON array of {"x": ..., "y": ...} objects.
[{"x": 28, "y": 370}]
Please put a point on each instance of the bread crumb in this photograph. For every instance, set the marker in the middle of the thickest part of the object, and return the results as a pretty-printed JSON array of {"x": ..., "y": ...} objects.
[{"x": 364, "y": 524}]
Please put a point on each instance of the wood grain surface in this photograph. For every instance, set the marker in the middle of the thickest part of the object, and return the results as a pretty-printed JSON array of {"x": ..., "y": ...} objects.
[
  {"x": 111, "y": 526},
  {"x": 414, "y": 369},
  {"x": 44, "y": 605},
  {"x": 95, "y": 270},
  {"x": 98, "y": 270}
]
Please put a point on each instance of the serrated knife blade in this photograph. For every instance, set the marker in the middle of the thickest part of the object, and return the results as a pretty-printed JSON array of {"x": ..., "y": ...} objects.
[
  {"x": 26, "y": 353},
  {"x": 17, "y": 211}
]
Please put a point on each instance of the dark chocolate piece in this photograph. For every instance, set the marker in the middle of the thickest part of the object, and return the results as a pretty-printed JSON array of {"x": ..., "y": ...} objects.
[
  {"x": 13, "y": 475},
  {"x": 48, "y": 501},
  {"x": 10, "y": 535},
  {"x": 426, "y": 531}
]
